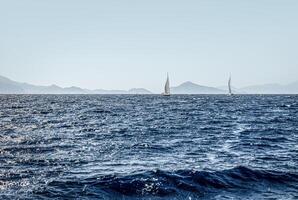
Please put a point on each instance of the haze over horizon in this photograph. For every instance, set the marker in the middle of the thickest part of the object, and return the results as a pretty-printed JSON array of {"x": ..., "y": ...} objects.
[{"x": 122, "y": 45}]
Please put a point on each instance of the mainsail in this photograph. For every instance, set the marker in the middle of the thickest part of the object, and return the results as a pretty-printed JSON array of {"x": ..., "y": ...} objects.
[
  {"x": 229, "y": 85},
  {"x": 167, "y": 86}
]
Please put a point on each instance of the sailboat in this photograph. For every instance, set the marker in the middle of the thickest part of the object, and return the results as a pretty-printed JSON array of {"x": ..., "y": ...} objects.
[
  {"x": 230, "y": 87},
  {"x": 167, "y": 87}
]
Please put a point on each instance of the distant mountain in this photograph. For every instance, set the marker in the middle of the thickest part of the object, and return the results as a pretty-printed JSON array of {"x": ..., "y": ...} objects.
[
  {"x": 131, "y": 91},
  {"x": 75, "y": 90},
  {"x": 292, "y": 88},
  {"x": 139, "y": 91},
  {"x": 102, "y": 91},
  {"x": 272, "y": 89},
  {"x": 234, "y": 90},
  {"x": 8, "y": 86},
  {"x": 192, "y": 88},
  {"x": 264, "y": 89}
]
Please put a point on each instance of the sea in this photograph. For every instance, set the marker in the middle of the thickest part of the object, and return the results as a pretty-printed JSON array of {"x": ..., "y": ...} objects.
[{"x": 148, "y": 147}]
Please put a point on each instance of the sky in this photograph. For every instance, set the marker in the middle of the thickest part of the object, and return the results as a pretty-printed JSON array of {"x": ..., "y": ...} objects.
[{"x": 116, "y": 44}]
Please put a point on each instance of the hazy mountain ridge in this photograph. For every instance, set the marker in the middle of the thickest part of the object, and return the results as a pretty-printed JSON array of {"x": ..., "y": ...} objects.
[
  {"x": 8, "y": 86},
  {"x": 139, "y": 91},
  {"x": 274, "y": 88},
  {"x": 234, "y": 89}
]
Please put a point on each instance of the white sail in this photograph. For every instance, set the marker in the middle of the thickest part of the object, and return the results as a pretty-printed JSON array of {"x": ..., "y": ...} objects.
[
  {"x": 167, "y": 87},
  {"x": 230, "y": 87}
]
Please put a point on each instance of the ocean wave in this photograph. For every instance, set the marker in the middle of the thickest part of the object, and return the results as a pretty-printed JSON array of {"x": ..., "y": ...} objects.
[{"x": 164, "y": 183}]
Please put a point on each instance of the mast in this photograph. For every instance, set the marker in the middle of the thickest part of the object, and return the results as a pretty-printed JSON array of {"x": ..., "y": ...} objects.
[{"x": 229, "y": 85}]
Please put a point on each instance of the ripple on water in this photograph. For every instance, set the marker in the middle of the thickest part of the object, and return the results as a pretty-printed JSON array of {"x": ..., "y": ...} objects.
[{"x": 147, "y": 146}]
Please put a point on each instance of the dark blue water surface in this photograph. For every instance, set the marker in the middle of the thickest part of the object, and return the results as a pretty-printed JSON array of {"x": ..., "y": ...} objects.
[{"x": 148, "y": 147}]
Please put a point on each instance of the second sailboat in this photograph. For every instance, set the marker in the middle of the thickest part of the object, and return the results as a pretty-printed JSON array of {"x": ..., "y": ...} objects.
[{"x": 167, "y": 87}]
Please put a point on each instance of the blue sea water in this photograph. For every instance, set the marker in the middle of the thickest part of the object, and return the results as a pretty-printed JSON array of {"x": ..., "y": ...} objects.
[{"x": 148, "y": 147}]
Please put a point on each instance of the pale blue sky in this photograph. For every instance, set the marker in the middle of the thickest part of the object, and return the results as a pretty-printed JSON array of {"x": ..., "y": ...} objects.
[{"x": 122, "y": 44}]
